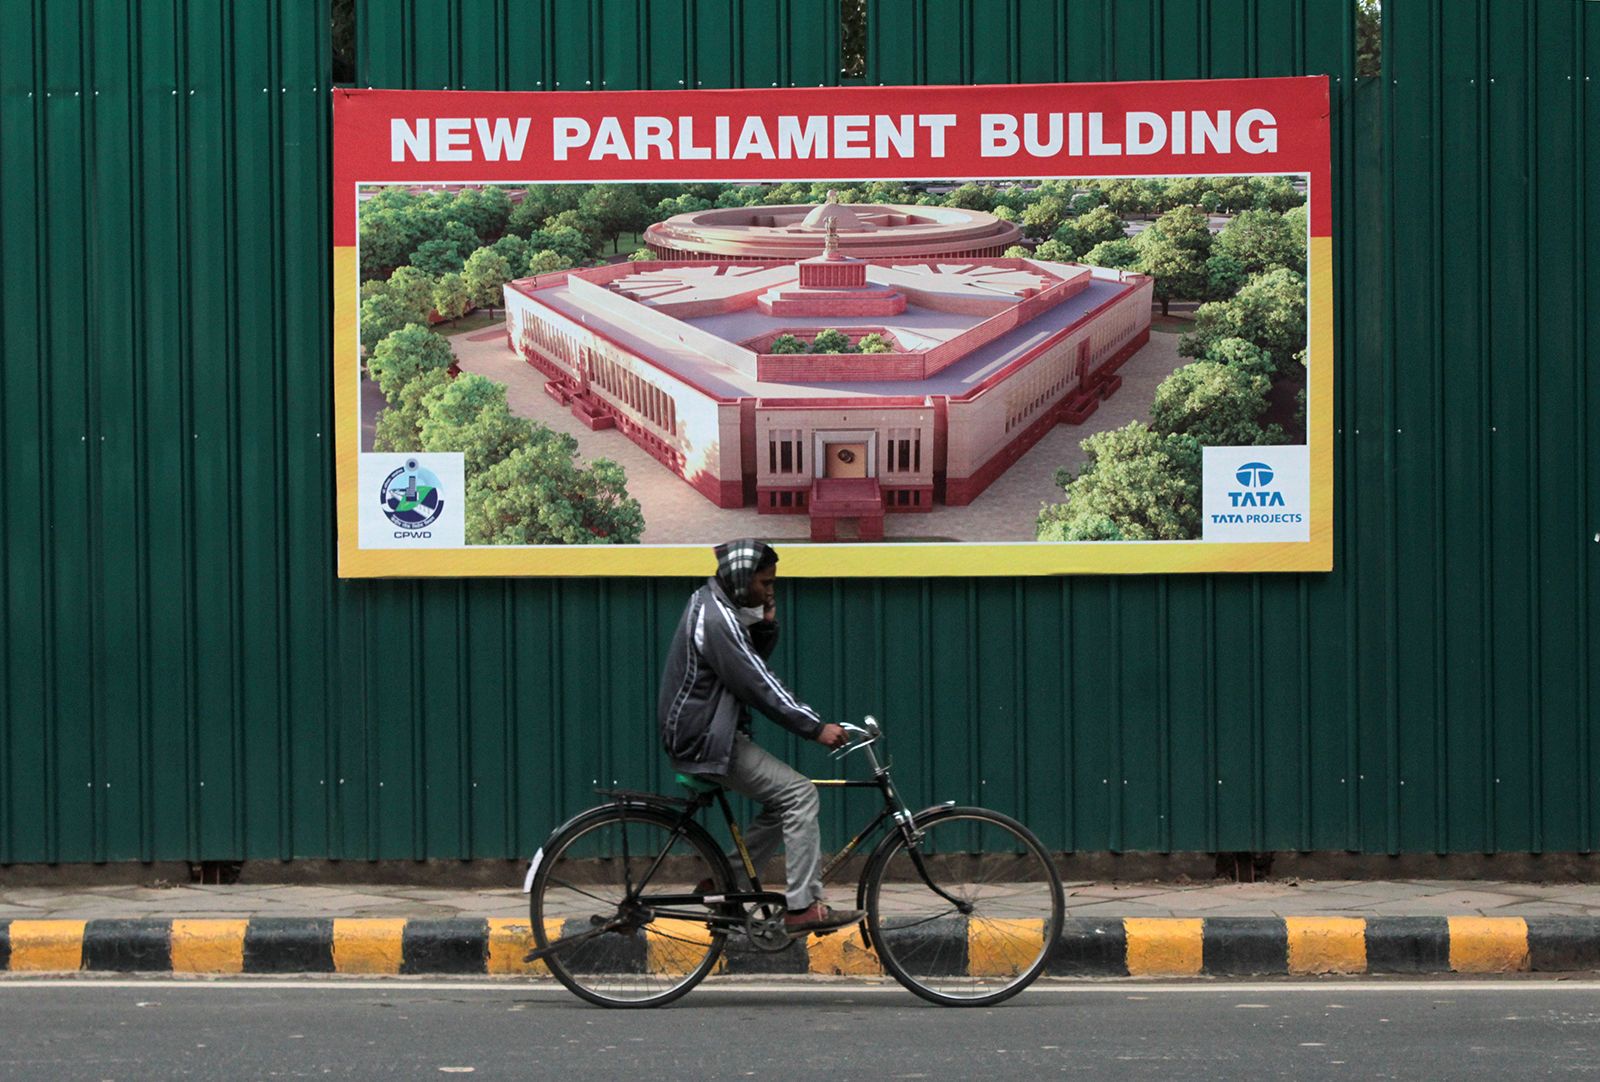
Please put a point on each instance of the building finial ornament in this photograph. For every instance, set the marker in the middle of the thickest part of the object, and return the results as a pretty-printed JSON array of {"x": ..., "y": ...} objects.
[
  {"x": 833, "y": 195},
  {"x": 830, "y": 243}
]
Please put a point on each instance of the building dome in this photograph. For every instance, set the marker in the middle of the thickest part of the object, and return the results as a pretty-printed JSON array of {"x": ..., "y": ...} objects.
[{"x": 865, "y": 230}]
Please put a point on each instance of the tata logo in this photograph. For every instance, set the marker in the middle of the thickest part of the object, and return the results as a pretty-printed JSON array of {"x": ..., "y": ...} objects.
[{"x": 1255, "y": 476}]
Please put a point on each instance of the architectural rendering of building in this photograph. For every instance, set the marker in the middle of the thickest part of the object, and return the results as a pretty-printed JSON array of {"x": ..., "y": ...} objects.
[
  {"x": 688, "y": 359},
  {"x": 866, "y": 231}
]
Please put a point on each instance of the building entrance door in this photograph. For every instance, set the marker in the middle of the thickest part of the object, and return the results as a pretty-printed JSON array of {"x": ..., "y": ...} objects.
[{"x": 845, "y": 460}]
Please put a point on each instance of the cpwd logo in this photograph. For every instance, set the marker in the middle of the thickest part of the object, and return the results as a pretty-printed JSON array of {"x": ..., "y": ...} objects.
[
  {"x": 1255, "y": 476},
  {"x": 411, "y": 500}
]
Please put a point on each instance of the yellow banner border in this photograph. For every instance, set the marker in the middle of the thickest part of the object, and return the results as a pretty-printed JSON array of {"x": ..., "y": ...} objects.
[{"x": 835, "y": 559}]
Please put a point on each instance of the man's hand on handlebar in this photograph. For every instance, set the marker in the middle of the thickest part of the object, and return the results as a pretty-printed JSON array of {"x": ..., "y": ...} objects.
[{"x": 832, "y": 736}]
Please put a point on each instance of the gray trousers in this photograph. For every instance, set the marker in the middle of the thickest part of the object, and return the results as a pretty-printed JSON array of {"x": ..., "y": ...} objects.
[{"x": 788, "y": 816}]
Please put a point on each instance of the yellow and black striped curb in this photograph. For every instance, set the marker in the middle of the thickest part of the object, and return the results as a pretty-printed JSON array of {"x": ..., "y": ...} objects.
[{"x": 1133, "y": 946}]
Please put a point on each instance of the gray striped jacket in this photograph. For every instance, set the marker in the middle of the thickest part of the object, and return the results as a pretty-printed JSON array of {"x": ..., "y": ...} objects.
[{"x": 715, "y": 670}]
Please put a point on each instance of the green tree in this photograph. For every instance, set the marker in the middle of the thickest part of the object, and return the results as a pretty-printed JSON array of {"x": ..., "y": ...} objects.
[
  {"x": 451, "y": 298},
  {"x": 971, "y": 196},
  {"x": 831, "y": 341},
  {"x": 843, "y": 191},
  {"x": 1369, "y": 38},
  {"x": 1054, "y": 251},
  {"x": 1045, "y": 216},
  {"x": 539, "y": 495},
  {"x": 874, "y": 343},
  {"x": 385, "y": 236},
  {"x": 786, "y": 343},
  {"x": 1173, "y": 251},
  {"x": 547, "y": 261},
  {"x": 1260, "y": 240},
  {"x": 1179, "y": 191},
  {"x": 1017, "y": 251},
  {"x": 414, "y": 289},
  {"x": 1121, "y": 254},
  {"x": 399, "y": 425},
  {"x": 1296, "y": 219},
  {"x": 1218, "y": 404},
  {"x": 540, "y": 201},
  {"x": 679, "y": 204},
  {"x": 528, "y": 216},
  {"x": 640, "y": 255},
  {"x": 1245, "y": 356},
  {"x": 486, "y": 273},
  {"x": 1097, "y": 226},
  {"x": 1084, "y": 202},
  {"x": 1127, "y": 197},
  {"x": 436, "y": 257},
  {"x": 591, "y": 230},
  {"x": 1228, "y": 195},
  {"x": 1015, "y": 196},
  {"x": 381, "y": 316},
  {"x": 742, "y": 195},
  {"x": 886, "y": 191},
  {"x": 789, "y": 192},
  {"x": 1269, "y": 312},
  {"x": 453, "y": 229},
  {"x": 1138, "y": 485},
  {"x": 1224, "y": 276},
  {"x": 1276, "y": 194},
  {"x": 485, "y": 211},
  {"x": 471, "y": 416},
  {"x": 570, "y": 244},
  {"x": 1006, "y": 212},
  {"x": 515, "y": 249},
  {"x": 616, "y": 209},
  {"x": 405, "y": 354}
]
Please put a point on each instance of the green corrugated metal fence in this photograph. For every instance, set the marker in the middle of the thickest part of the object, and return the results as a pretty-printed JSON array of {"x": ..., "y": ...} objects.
[{"x": 183, "y": 676}]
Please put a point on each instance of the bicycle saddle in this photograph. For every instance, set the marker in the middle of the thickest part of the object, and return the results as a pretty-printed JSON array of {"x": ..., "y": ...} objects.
[{"x": 697, "y": 785}]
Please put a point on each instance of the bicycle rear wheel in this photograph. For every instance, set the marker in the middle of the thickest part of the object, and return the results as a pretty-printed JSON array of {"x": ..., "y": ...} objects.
[
  {"x": 644, "y": 959},
  {"x": 996, "y": 869}
]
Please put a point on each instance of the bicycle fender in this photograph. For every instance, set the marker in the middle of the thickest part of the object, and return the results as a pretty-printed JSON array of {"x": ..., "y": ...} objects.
[{"x": 538, "y": 857}]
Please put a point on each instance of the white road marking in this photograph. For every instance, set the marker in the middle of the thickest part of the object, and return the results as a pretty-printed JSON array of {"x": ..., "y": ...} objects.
[{"x": 801, "y": 986}]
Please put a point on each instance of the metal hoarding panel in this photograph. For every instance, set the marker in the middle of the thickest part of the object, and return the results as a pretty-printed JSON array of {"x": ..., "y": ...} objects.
[{"x": 185, "y": 678}]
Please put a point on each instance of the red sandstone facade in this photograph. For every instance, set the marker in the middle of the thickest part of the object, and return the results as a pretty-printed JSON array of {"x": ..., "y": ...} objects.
[{"x": 988, "y": 356}]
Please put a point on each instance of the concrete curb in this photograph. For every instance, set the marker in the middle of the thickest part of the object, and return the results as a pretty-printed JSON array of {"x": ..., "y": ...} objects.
[{"x": 1137, "y": 947}]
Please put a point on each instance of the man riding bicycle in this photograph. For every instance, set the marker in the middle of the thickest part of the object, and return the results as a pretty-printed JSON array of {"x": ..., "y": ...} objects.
[{"x": 715, "y": 670}]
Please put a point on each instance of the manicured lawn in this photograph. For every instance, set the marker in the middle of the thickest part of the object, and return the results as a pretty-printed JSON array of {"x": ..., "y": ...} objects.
[
  {"x": 627, "y": 242},
  {"x": 476, "y": 320}
]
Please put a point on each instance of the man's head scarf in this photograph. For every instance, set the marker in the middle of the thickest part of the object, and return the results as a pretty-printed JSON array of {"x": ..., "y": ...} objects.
[{"x": 737, "y": 564}]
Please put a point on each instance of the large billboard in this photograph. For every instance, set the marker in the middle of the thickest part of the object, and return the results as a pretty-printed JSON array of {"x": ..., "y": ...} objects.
[{"x": 898, "y": 330}]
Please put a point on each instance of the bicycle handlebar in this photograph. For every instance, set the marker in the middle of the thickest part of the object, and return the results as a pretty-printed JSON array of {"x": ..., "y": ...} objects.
[{"x": 868, "y": 728}]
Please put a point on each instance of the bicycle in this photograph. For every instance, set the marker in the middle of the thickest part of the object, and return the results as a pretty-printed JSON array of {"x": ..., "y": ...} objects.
[{"x": 633, "y": 901}]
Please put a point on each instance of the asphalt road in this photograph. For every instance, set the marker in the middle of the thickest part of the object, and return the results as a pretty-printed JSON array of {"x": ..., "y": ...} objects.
[{"x": 88, "y": 1029}]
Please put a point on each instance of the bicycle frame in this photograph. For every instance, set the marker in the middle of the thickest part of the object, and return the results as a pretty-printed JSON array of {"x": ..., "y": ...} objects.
[{"x": 894, "y": 808}]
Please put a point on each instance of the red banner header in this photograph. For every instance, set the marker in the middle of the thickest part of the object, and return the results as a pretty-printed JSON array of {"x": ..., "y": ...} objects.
[{"x": 1225, "y": 126}]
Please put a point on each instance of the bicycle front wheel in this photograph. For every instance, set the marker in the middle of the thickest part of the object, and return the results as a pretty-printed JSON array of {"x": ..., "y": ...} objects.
[
  {"x": 967, "y": 917},
  {"x": 617, "y": 952}
]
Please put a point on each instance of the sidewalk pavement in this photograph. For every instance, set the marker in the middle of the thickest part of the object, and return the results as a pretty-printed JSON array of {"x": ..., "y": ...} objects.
[
  {"x": 1111, "y": 929},
  {"x": 1274, "y": 898}
]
